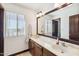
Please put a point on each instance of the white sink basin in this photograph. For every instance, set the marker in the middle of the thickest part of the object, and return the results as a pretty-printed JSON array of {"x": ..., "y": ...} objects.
[{"x": 58, "y": 48}]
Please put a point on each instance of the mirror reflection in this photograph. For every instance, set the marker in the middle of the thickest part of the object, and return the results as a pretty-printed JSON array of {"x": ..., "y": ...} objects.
[
  {"x": 49, "y": 26},
  {"x": 63, "y": 23}
]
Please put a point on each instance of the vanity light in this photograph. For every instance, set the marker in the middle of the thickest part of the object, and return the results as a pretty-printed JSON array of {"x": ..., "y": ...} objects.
[
  {"x": 40, "y": 14},
  {"x": 61, "y": 5},
  {"x": 58, "y": 5}
]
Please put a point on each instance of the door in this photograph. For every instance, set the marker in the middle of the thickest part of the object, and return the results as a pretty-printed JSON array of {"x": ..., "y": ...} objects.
[
  {"x": 55, "y": 28},
  {"x": 74, "y": 27},
  {"x": 1, "y": 32}
]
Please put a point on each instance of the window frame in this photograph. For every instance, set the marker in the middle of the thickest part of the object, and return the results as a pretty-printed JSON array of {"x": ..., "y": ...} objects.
[{"x": 5, "y": 24}]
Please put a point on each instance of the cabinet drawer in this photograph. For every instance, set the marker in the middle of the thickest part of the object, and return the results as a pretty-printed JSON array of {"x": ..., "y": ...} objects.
[
  {"x": 38, "y": 45},
  {"x": 47, "y": 53}
]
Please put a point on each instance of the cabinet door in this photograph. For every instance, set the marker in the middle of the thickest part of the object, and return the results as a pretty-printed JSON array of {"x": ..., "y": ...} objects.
[
  {"x": 38, "y": 50},
  {"x": 35, "y": 49},
  {"x": 47, "y": 53},
  {"x": 31, "y": 47}
]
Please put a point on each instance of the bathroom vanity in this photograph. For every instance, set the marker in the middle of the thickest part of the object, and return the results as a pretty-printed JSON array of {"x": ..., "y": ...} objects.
[
  {"x": 43, "y": 46},
  {"x": 38, "y": 50}
]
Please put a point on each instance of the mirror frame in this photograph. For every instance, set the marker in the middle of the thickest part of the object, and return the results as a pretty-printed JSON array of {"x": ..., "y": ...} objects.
[{"x": 62, "y": 39}]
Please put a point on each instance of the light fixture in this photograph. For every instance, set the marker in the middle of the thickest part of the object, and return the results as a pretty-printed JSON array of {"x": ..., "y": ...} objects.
[
  {"x": 39, "y": 14},
  {"x": 58, "y": 5}
]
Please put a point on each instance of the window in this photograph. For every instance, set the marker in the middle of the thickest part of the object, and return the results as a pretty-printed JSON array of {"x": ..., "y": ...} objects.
[
  {"x": 14, "y": 25},
  {"x": 21, "y": 25}
]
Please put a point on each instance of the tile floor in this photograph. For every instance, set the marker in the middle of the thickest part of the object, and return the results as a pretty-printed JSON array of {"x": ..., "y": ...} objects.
[{"x": 24, "y": 54}]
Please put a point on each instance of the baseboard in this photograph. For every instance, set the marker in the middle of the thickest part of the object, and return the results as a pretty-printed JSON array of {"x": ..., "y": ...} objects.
[{"x": 19, "y": 52}]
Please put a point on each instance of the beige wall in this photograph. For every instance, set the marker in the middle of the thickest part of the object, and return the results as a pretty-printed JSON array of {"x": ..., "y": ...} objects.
[{"x": 16, "y": 44}]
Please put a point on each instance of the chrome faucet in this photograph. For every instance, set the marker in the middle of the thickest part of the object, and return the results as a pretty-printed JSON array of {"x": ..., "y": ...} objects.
[{"x": 57, "y": 42}]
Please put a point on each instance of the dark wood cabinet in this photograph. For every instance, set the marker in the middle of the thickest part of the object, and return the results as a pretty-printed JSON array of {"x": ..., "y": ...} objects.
[
  {"x": 37, "y": 50},
  {"x": 74, "y": 27},
  {"x": 31, "y": 47},
  {"x": 47, "y": 53}
]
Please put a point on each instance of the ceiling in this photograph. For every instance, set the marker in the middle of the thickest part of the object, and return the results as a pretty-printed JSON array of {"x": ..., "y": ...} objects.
[{"x": 44, "y": 7}]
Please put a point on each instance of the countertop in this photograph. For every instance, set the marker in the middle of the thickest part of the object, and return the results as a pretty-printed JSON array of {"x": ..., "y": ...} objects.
[{"x": 59, "y": 50}]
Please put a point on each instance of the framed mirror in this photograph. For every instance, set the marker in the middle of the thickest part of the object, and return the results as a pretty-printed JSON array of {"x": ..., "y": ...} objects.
[{"x": 61, "y": 22}]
